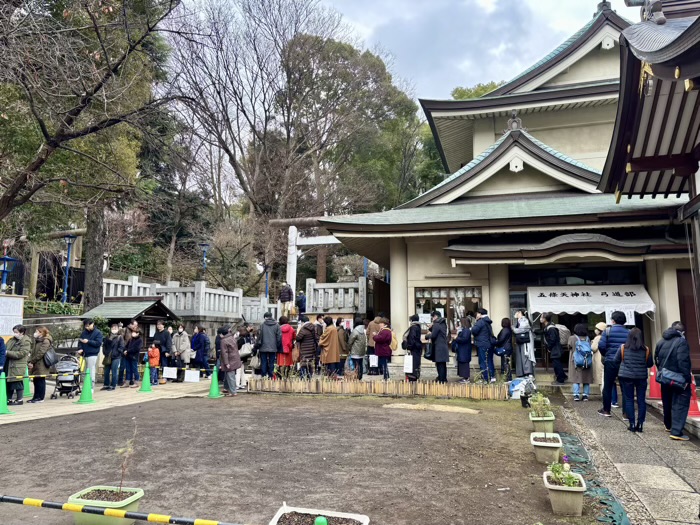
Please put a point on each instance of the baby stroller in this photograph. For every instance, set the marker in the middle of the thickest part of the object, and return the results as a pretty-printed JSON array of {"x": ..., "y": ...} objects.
[{"x": 68, "y": 377}]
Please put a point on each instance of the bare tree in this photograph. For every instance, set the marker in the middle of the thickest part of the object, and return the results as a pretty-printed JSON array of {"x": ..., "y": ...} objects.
[{"x": 78, "y": 74}]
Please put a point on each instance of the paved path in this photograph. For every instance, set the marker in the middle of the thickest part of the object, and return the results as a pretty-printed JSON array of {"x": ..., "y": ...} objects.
[
  {"x": 662, "y": 473},
  {"x": 103, "y": 400}
]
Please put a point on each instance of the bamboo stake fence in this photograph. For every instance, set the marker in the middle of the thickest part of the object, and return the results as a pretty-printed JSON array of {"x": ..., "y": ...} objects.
[{"x": 326, "y": 386}]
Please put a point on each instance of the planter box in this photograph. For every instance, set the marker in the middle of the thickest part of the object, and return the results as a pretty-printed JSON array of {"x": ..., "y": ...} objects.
[
  {"x": 364, "y": 520},
  {"x": 566, "y": 501},
  {"x": 543, "y": 424},
  {"x": 131, "y": 504},
  {"x": 546, "y": 453}
]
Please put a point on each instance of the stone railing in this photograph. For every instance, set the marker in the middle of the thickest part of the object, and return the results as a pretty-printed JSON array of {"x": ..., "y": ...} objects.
[
  {"x": 129, "y": 288},
  {"x": 337, "y": 298},
  {"x": 254, "y": 309},
  {"x": 193, "y": 302}
]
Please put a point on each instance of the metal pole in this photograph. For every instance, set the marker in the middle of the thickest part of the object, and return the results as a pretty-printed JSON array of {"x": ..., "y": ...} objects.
[
  {"x": 65, "y": 277},
  {"x": 4, "y": 275},
  {"x": 267, "y": 284},
  {"x": 366, "y": 267}
]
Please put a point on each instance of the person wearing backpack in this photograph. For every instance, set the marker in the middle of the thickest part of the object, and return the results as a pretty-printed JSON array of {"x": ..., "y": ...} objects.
[
  {"x": 552, "y": 341},
  {"x": 634, "y": 360},
  {"x": 673, "y": 354},
  {"x": 609, "y": 344},
  {"x": 580, "y": 361},
  {"x": 484, "y": 341}
]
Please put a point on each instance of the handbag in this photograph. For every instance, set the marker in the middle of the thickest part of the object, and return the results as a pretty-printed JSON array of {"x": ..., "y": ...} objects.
[
  {"x": 522, "y": 338},
  {"x": 50, "y": 357},
  {"x": 255, "y": 362},
  {"x": 669, "y": 377},
  {"x": 429, "y": 352},
  {"x": 296, "y": 354},
  {"x": 408, "y": 364}
]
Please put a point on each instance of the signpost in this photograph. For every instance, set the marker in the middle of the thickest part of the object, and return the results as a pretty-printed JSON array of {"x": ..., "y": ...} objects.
[{"x": 11, "y": 313}]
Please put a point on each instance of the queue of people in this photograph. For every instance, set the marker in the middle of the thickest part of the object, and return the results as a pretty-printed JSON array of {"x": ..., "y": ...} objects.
[{"x": 615, "y": 355}]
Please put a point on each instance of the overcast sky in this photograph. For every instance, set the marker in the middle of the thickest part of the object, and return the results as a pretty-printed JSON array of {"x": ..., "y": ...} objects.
[{"x": 439, "y": 44}]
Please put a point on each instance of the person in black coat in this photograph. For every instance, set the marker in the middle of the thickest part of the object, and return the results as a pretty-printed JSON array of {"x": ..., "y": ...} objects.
[
  {"x": 164, "y": 343},
  {"x": 414, "y": 346},
  {"x": 131, "y": 354},
  {"x": 553, "y": 344},
  {"x": 505, "y": 340},
  {"x": 441, "y": 351},
  {"x": 483, "y": 332},
  {"x": 463, "y": 347},
  {"x": 673, "y": 353},
  {"x": 634, "y": 361}
]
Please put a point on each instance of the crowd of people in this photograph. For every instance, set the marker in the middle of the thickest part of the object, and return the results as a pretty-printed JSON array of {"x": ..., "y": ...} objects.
[{"x": 334, "y": 348}]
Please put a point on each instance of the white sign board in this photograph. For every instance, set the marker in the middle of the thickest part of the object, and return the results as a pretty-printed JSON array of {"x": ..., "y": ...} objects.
[
  {"x": 424, "y": 318},
  {"x": 629, "y": 314},
  {"x": 191, "y": 376},
  {"x": 373, "y": 361},
  {"x": 169, "y": 372},
  {"x": 11, "y": 313}
]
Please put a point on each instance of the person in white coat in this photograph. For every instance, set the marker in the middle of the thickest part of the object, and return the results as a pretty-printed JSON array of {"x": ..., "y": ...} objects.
[
  {"x": 525, "y": 354},
  {"x": 182, "y": 350}
]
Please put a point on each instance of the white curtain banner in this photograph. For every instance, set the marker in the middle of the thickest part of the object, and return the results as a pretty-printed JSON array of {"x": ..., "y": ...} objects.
[{"x": 590, "y": 299}]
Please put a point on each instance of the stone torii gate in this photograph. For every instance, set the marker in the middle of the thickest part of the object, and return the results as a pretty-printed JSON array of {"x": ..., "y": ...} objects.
[{"x": 294, "y": 241}]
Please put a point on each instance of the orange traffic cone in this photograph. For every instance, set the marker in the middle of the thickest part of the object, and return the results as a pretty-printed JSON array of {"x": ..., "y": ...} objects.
[
  {"x": 694, "y": 410},
  {"x": 654, "y": 386}
]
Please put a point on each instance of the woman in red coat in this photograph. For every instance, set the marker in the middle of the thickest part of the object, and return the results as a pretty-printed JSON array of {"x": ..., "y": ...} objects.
[
  {"x": 289, "y": 335},
  {"x": 382, "y": 346}
]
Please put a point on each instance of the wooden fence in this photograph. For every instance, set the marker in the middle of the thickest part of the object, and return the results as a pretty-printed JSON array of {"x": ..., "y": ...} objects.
[{"x": 490, "y": 391}]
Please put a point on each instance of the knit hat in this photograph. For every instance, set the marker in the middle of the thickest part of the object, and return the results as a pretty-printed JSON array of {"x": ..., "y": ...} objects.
[{"x": 601, "y": 326}]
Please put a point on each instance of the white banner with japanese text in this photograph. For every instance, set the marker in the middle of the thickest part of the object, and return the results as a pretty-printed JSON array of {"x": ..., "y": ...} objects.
[{"x": 627, "y": 298}]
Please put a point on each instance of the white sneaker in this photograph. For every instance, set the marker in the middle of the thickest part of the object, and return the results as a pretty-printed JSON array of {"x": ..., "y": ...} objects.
[{"x": 493, "y": 379}]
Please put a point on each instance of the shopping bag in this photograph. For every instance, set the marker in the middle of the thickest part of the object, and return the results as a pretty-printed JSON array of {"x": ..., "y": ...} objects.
[
  {"x": 408, "y": 364},
  {"x": 373, "y": 361},
  {"x": 191, "y": 376}
]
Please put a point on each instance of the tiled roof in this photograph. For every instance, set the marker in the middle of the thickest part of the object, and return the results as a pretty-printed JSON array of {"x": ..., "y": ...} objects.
[
  {"x": 557, "y": 51},
  {"x": 490, "y": 151},
  {"x": 509, "y": 207},
  {"x": 560, "y": 155}
]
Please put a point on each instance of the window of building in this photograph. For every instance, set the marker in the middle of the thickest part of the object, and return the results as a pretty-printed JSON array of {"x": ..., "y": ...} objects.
[{"x": 453, "y": 303}]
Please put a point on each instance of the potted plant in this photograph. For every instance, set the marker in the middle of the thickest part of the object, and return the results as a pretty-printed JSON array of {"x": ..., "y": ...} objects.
[
  {"x": 291, "y": 516},
  {"x": 541, "y": 415},
  {"x": 547, "y": 446},
  {"x": 565, "y": 488},
  {"x": 121, "y": 498}
]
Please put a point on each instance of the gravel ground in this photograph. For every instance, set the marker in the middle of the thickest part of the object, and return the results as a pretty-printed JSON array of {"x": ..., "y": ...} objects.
[
  {"x": 238, "y": 459},
  {"x": 609, "y": 475}
]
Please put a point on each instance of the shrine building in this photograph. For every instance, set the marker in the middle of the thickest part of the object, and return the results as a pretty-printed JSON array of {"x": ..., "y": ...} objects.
[{"x": 521, "y": 221}]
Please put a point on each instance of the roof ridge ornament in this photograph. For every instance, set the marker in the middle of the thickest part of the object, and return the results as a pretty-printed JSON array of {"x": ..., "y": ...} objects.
[
  {"x": 515, "y": 123},
  {"x": 603, "y": 6},
  {"x": 651, "y": 10}
]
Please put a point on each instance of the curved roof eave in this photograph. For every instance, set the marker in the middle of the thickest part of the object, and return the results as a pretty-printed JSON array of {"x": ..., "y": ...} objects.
[{"x": 511, "y": 138}]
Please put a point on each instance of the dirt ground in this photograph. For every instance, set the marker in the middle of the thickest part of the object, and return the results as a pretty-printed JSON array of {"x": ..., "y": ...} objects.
[{"x": 237, "y": 460}]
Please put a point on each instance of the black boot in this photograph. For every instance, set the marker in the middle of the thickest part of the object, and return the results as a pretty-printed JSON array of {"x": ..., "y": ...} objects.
[
  {"x": 639, "y": 427},
  {"x": 632, "y": 428}
]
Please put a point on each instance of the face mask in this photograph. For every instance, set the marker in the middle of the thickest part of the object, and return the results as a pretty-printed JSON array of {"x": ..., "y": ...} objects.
[
  {"x": 18, "y": 336},
  {"x": 37, "y": 335},
  {"x": 134, "y": 335},
  {"x": 180, "y": 330},
  {"x": 115, "y": 331}
]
